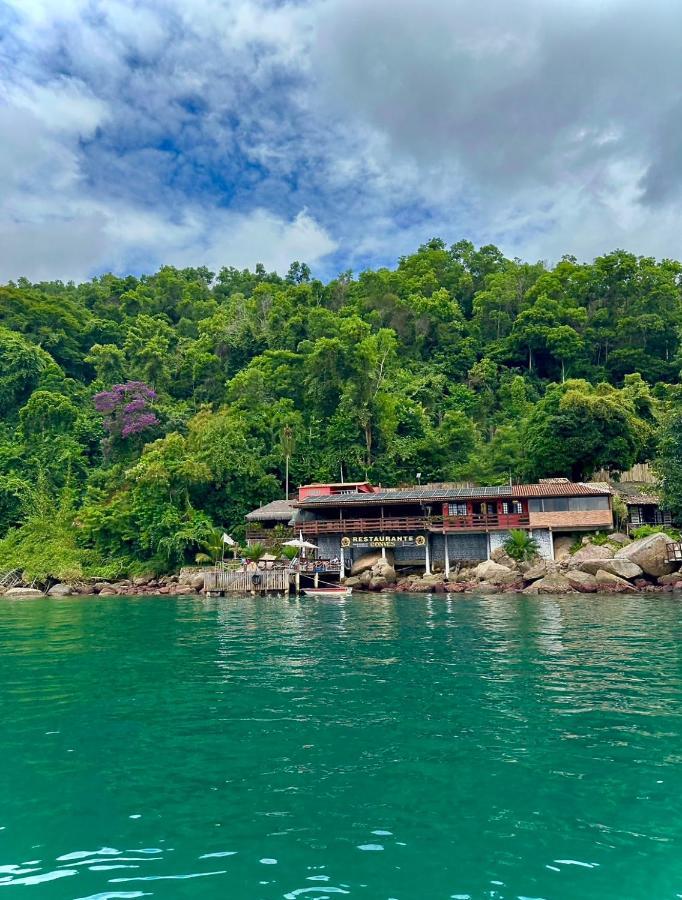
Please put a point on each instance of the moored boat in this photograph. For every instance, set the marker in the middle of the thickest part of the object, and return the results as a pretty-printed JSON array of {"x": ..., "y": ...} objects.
[{"x": 328, "y": 591}]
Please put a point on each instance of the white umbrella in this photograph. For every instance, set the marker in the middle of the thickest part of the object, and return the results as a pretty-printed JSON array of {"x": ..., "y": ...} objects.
[{"x": 300, "y": 543}]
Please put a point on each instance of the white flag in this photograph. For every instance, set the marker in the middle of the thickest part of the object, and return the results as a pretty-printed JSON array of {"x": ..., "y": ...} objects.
[{"x": 228, "y": 540}]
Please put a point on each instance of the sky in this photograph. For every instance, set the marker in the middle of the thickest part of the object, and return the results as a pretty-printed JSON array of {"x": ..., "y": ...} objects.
[{"x": 342, "y": 133}]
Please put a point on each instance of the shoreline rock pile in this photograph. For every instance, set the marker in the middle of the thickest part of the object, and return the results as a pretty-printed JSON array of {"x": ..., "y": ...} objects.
[{"x": 618, "y": 566}]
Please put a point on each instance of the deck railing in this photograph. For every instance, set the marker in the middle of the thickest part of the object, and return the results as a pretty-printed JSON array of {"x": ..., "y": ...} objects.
[
  {"x": 673, "y": 551},
  {"x": 381, "y": 525}
]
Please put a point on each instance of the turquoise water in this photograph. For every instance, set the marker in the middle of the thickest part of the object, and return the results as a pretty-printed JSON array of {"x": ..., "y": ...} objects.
[{"x": 385, "y": 747}]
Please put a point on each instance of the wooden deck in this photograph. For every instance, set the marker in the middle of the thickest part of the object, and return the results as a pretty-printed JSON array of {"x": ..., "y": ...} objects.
[
  {"x": 220, "y": 581},
  {"x": 439, "y": 524}
]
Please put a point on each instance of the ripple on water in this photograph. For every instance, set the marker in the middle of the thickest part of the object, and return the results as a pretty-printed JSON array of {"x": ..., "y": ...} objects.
[{"x": 538, "y": 740}]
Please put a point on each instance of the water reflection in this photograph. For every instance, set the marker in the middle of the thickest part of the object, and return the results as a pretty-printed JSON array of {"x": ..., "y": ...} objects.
[{"x": 385, "y": 746}]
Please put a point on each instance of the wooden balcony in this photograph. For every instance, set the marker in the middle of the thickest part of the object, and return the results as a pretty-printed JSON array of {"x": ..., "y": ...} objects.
[
  {"x": 439, "y": 524},
  {"x": 481, "y": 522},
  {"x": 364, "y": 526}
]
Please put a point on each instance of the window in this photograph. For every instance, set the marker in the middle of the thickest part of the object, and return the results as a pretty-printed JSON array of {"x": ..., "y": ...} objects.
[
  {"x": 566, "y": 504},
  {"x": 457, "y": 509},
  {"x": 512, "y": 507}
]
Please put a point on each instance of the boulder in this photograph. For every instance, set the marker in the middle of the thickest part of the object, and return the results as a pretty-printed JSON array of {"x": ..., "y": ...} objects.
[
  {"x": 142, "y": 580},
  {"x": 494, "y": 573},
  {"x": 673, "y": 578},
  {"x": 539, "y": 570},
  {"x": 99, "y": 586},
  {"x": 607, "y": 581},
  {"x": 550, "y": 584},
  {"x": 108, "y": 591},
  {"x": 649, "y": 553},
  {"x": 197, "y": 582},
  {"x": 590, "y": 551},
  {"x": 485, "y": 587},
  {"x": 619, "y": 538},
  {"x": 621, "y": 567},
  {"x": 581, "y": 581},
  {"x": 384, "y": 569},
  {"x": 562, "y": 547},
  {"x": 378, "y": 583},
  {"x": 60, "y": 590},
  {"x": 500, "y": 555},
  {"x": 352, "y": 581},
  {"x": 369, "y": 560},
  {"x": 23, "y": 593}
]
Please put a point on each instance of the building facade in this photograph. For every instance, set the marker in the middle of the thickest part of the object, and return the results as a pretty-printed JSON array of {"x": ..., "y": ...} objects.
[{"x": 438, "y": 527}]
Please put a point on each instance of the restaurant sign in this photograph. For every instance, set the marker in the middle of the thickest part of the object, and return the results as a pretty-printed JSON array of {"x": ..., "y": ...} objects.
[{"x": 383, "y": 540}]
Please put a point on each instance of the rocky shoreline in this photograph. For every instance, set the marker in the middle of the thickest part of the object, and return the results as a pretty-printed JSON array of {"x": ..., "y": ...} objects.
[{"x": 618, "y": 566}]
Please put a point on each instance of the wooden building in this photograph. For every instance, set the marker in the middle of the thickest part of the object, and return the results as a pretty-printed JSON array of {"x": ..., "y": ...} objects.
[
  {"x": 270, "y": 524},
  {"x": 441, "y": 526}
]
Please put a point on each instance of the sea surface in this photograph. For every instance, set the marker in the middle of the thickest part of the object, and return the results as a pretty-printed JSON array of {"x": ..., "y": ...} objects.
[{"x": 389, "y": 748}]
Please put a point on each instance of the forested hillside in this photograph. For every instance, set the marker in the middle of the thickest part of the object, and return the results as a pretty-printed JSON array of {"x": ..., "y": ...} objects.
[{"x": 138, "y": 414}]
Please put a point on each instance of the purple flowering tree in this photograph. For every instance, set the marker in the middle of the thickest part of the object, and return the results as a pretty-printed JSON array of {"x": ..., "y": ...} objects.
[{"x": 126, "y": 410}]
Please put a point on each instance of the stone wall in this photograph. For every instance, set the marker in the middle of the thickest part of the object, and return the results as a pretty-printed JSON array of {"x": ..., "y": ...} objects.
[
  {"x": 461, "y": 548},
  {"x": 542, "y": 535}
]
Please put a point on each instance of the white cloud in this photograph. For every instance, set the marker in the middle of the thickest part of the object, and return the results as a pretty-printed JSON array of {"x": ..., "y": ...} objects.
[{"x": 140, "y": 132}]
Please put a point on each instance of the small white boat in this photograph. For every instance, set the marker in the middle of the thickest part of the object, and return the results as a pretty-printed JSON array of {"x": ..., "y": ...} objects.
[{"x": 327, "y": 591}]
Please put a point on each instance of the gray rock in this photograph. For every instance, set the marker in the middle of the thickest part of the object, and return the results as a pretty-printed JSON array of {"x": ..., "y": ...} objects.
[
  {"x": 499, "y": 555},
  {"x": 377, "y": 583},
  {"x": 23, "y": 592},
  {"x": 621, "y": 567},
  {"x": 494, "y": 573},
  {"x": 562, "y": 547},
  {"x": 485, "y": 587},
  {"x": 550, "y": 584},
  {"x": 673, "y": 578},
  {"x": 108, "y": 591},
  {"x": 539, "y": 570},
  {"x": 590, "y": 551},
  {"x": 352, "y": 581},
  {"x": 368, "y": 560},
  {"x": 99, "y": 586},
  {"x": 197, "y": 582},
  {"x": 60, "y": 590},
  {"x": 607, "y": 581},
  {"x": 649, "y": 554},
  {"x": 581, "y": 581},
  {"x": 619, "y": 538}
]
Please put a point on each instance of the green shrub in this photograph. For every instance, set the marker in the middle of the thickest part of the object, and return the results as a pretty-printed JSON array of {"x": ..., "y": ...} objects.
[
  {"x": 646, "y": 530},
  {"x": 521, "y": 545}
]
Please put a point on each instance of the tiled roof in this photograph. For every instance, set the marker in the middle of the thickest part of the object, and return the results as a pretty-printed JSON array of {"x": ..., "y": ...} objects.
[
  {"x": 430, "y": 495},
  {"x": 277, "y": 511},
  {"x": 635, "y": 493}
]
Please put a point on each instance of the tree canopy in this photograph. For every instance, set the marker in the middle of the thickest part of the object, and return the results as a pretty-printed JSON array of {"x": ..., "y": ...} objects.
[{"x": 148, "y": 411}]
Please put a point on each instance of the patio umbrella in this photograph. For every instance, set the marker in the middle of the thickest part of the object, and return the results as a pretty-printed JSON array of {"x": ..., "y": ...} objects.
[{"x": 301, "y": 544}]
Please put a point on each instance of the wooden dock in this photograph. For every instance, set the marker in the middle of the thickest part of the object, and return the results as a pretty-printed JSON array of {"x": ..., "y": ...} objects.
[{"x": 218, "y": 581}]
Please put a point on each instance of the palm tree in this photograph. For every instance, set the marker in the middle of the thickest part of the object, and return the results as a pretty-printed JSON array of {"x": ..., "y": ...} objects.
[
  {"x": 255, "y": 552},
  {"x": 213, "y": 547},
  {"x": 521, "y": 545}
]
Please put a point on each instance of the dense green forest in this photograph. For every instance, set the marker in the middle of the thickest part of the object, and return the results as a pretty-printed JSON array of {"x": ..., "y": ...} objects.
[{"x": 140, "y": 414}]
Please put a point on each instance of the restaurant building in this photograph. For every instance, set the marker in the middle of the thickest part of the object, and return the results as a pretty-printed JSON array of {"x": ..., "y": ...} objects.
[{"x": 440, "y": 526}]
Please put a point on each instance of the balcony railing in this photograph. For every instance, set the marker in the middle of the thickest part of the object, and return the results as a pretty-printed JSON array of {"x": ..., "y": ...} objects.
[
  {"x": 360, "y": 526},
  {"x": 484, "y": 522},
  {"x": 386, "y": 524}
]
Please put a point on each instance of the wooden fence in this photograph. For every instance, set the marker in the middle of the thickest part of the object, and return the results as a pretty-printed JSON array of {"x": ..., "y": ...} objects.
[{"x": 220, "y": 581}]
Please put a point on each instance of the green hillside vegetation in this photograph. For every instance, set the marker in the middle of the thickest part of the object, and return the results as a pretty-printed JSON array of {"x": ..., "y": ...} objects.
[{"x": 139, "y": 414}]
